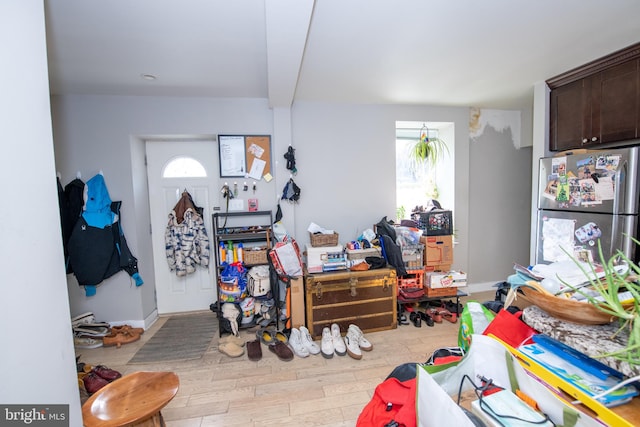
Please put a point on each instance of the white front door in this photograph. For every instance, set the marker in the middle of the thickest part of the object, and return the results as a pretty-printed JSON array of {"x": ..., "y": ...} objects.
[{"x": 194, "y": 291}]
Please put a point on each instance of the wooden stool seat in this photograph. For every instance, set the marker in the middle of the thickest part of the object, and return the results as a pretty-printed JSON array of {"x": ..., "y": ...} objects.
[{"x": 134, "y": 399}]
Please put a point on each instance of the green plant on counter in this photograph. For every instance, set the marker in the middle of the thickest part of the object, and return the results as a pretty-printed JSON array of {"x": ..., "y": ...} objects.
[
  {"x": 609, "y": 287},
  {"x": 400, "y": 212}
]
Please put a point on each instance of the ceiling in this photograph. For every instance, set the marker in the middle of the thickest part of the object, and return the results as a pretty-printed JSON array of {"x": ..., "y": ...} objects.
[{"x": 480, "y": 53}]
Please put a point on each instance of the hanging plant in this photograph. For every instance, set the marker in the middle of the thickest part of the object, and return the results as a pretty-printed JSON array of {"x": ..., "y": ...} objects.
[{"x": 428, "y": 150}]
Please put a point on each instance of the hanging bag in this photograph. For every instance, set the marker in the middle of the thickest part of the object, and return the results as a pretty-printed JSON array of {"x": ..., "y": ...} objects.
[{"x": 286, "y": 259}]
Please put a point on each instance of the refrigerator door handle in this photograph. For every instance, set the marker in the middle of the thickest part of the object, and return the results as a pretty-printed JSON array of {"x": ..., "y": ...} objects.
[{"x": 617, "y": 187}]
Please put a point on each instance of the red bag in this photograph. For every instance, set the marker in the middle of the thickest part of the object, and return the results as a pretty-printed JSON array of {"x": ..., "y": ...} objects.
[
  {"x": 411, "y": 293},
  {"x": 510, "y": 329}
]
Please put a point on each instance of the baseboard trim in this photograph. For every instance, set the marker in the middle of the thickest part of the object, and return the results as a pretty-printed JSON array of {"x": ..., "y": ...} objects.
[
  {"x": 151, "y": 319},
  {"x": 482, "y": 287},
  {"x": 146, "y": 323}
]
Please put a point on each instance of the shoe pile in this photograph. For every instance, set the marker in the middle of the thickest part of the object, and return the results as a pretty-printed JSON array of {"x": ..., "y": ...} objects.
[
  {"x": 92, "y": 379},
  {"x": 87, "y": 333},
  {"x": 123, "y": 334}
]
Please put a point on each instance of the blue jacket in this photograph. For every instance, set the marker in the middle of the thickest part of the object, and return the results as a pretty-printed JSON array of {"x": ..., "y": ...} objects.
[{"x": 97, "y": 246}]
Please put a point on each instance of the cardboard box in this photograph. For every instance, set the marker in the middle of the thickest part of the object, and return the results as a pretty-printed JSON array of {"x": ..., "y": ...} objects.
[
  {"x": 439, "y": 267},
  {"x": 440, "y": 292},
  {"x": 438, "y": 250},
  {"x": 297, "y": 302},
  {"x": 450, "y": 279},
  {"x": 318, "y": 256}
]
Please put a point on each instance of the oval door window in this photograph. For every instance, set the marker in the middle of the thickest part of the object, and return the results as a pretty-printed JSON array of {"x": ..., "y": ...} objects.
[{"x": 184, "y": 167}]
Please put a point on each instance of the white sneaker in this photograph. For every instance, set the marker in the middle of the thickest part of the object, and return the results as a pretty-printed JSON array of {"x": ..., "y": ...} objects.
[
  {"x": 338, "y": 343},
  {"x": 307, "y": 341},
  {"x": 295, "y": 342},
  {"x": 86, "y": 342},
  {"x": 362, "y": 341},
  {"x": 326, "y": 344},
  {"x": 353, "y": 348},
  {"x": 87, "y": 317}
]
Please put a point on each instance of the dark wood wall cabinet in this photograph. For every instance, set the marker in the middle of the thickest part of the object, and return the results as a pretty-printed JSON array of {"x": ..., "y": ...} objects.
[{"x": 597, "y": 105}]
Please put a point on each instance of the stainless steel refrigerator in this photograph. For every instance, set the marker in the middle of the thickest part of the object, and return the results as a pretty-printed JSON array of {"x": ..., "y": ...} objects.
[{"x": 586, "y": 198}]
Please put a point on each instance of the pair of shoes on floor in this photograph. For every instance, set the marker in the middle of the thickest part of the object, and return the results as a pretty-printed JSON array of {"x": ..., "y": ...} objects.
[
  {"x": 453, "y": 307},
  {"x": 98, "y": 377},
  {"x": 301, "y": 342},
  {"x": 434, "y": 313},
  {"x": 230, "y": 349},
  {"x": 86, "y": 342},
  {"x": 356, "y": 342},
  {"x": 122, "y": 335},
  {"x": 231, "y": 345},
  {"x": 332, "y": 342},
  {"x": 447, "y": 315},
  {"x": 270, "y": 336}
]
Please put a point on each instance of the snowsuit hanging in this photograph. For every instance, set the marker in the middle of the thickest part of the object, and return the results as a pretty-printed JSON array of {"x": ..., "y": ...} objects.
[
  {"x": 186, "y": 241},
  {"x": 97, "y": 246}
]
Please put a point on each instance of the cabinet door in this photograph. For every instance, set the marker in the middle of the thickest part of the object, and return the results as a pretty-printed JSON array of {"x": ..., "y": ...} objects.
[
  {"x": 616, "y": 103},
  {"x": 568, "y": 108}
]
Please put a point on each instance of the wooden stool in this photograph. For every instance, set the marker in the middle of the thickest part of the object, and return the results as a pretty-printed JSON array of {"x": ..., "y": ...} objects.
[{"x": 133, "y": 400}]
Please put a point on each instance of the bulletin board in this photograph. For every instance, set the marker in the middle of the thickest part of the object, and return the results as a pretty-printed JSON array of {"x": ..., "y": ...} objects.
[
  {"x": 258, "y": 155},
  {"x": 247, "y": 156}
]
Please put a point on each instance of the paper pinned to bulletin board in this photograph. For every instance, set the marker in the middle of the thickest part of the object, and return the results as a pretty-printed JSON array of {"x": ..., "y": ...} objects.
[{"x": 258, "y": 156}]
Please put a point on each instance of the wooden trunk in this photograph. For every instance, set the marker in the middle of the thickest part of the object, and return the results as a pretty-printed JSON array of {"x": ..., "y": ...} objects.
[{"x": 364, "y": 298}]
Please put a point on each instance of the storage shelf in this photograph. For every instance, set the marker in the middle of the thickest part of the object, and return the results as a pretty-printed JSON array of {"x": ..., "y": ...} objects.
[{"x": 239, "y": 227}]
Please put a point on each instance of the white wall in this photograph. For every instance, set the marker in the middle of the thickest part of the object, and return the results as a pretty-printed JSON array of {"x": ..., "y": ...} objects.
[
  {"x": 37, "y": 362},
  {"x": 346, "y": 170},
  {"x": 347, "y": 166},
  {"x": 94, "y": 133},
  {"x": 500, "y": 194}
]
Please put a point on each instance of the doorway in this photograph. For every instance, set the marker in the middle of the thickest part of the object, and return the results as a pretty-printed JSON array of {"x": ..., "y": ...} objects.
[{"x": 172, "y": 167}]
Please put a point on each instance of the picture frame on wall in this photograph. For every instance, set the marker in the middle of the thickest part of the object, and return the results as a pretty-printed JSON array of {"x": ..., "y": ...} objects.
[
  {"x": 246, "y": 156},
  {"x": 232, "y": 155}
]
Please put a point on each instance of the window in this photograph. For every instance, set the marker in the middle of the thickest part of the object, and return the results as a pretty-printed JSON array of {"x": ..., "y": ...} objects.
[
  {"x": 184, "y": 167},
  {"x": 416, "y": 184}
]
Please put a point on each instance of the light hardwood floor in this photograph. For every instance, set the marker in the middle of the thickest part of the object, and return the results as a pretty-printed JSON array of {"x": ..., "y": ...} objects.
[{"x": 217, "y": 390}]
